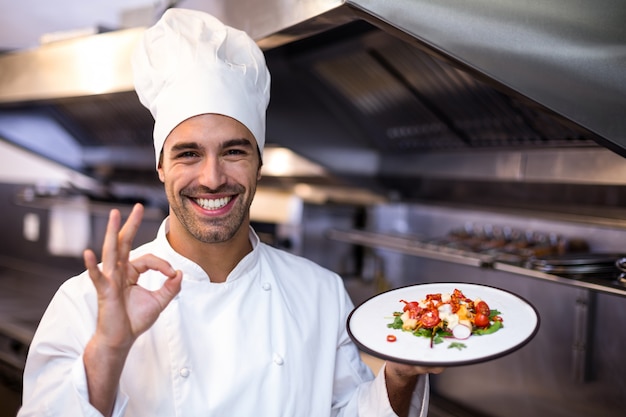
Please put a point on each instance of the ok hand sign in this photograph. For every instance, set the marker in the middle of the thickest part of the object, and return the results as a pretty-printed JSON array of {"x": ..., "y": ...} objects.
[{"x": 125, "y": 309}]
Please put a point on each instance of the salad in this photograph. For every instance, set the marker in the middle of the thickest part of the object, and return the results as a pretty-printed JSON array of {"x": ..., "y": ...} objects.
[{"x": 441, "y": 316}]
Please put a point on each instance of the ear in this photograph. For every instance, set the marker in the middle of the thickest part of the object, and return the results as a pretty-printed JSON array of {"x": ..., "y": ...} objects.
[
  {"x": 258, "y": 172},
  {"x": 160, "y": 167},
  {"x": 161, "y": 174}
]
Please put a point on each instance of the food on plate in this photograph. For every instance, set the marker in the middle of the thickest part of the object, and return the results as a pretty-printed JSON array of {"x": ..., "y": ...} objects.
[{"x": 444, "y": 315}]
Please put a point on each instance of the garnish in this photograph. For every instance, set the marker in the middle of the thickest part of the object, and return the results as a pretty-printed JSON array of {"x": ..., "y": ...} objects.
[{"x": 447, "y": 316}]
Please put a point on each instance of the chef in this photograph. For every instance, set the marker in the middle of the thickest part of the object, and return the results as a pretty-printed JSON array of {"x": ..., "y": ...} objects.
[{"x": 205, "y": 320}]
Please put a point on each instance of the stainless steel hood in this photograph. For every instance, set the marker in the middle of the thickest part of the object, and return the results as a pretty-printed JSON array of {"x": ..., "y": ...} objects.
[{"x": 365, "y": 88}]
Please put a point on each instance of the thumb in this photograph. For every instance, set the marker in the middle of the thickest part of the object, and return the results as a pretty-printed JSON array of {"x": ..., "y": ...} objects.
[{"x": 171, "y": 287}]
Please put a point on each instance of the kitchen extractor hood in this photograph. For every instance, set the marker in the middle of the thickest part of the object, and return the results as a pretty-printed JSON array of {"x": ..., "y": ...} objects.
[{"x": 365, "y": 88}]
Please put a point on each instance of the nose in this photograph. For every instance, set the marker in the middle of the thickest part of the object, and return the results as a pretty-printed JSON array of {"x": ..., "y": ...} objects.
[{"x": 212, "y": 173}]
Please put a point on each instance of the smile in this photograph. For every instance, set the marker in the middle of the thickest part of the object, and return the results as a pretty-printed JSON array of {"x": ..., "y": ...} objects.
[{"x": 213, "y": 203}]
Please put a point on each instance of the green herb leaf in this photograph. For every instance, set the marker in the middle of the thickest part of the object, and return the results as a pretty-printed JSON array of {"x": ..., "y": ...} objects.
[
  {"x": 457, "y": 345},
  {"x": 437, "y": 339},
  {"x": 397, "y": 323},
  {"x": 497, "y": 325},
  {"x": 422, "y": 332},
  {"x": 493, "y": 313}
]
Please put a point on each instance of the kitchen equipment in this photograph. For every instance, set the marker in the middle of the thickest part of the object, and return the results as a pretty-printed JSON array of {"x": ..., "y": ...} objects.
[
  {"x": 621, "y": 265},
  {"x": 579, "y": 265}
]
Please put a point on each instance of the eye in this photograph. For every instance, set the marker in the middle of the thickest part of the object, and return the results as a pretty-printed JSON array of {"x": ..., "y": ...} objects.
[
  {"x": 186, "y": 154},
  {"x": 235, "y": 152},
  {"x": 237, "y": 148}
]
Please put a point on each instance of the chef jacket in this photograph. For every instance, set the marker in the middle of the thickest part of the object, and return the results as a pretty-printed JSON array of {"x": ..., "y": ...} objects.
[{"x": 270, "y": 341}]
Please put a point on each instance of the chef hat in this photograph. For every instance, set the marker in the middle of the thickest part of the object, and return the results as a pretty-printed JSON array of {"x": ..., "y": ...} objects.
[{"x": 190, "y": 63}]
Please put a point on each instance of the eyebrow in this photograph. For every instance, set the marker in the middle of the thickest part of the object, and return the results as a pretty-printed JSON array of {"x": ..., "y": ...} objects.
[
  {"x": 184, "y": 146},
  {"x": 226, "y": 144},
  {"x": 237, "y": 142}
]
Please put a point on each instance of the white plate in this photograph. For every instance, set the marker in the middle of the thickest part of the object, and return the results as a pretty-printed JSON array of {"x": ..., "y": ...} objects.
[{"x": 367, "y": 326}]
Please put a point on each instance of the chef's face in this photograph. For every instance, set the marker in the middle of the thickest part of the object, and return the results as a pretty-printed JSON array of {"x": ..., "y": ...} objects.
[{"x": 210, "y": 168}]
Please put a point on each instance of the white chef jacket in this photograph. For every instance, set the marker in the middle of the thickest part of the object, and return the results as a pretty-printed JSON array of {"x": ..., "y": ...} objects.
[{"x": 270, "y": 341}]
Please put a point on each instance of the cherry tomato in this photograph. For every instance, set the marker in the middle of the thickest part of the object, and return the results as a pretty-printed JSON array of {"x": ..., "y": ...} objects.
[
  {"x": 482, "y": 308},
  {"x": 429, "y": 318},
  {"x": 391, "y": 338},
  {"x": 413, "y": 305},
  {"x": 481, "y": 320}
]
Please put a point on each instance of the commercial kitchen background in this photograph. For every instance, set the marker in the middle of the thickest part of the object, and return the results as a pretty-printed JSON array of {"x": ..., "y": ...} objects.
[{"x": 408, "y": 142}]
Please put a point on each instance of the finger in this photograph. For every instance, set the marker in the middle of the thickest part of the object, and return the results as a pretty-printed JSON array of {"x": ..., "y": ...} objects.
[
  {"x": 129, "y": 231},
  {"x": 405, "y": 370},
  {"x": 172, "y": 284},
  {"x": 91, "y": 263},
  {"x": 427, "y": 370},
  {"x": 110, "y": 245},
  {"x": 152, "y": 262},
  {"x": 170, "y": 288}
]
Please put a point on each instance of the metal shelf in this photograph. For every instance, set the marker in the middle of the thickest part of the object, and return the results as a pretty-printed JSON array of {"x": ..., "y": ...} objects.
[{"x": 411, "y": 245}]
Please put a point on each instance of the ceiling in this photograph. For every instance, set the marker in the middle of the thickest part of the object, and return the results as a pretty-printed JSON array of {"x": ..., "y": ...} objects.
[
  {"x": 23, "y": 23},
  {"x": 355, "y": 97}
]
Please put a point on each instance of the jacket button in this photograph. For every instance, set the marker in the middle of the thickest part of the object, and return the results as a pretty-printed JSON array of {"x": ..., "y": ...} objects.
[
  {"x": 278, "y": 360},
  {"x": 266, "y": 286},
  {"x": 184, "y": 372}
]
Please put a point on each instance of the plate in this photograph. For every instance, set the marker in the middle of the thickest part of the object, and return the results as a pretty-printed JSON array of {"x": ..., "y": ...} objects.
[{"x": 367, "y": 326}]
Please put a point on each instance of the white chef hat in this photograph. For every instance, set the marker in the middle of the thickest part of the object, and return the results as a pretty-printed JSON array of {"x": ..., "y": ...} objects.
[{"x": 190, "y": 63}]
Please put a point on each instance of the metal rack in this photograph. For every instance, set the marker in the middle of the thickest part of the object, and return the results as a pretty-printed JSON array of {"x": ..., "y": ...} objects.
[{"x": 411, "y": 245}]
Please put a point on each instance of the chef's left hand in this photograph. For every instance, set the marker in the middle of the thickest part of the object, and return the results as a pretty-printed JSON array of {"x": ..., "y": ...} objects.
[
  {"x": 401, "y": 380},
  {"x": 404, "y": 371}
]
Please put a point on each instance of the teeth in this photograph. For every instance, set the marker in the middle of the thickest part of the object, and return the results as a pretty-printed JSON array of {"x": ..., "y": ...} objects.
[{"x": 212, "y": 204}]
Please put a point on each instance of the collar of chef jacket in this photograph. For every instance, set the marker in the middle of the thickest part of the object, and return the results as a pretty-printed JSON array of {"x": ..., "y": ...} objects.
[{"x": 192, "y": 271}]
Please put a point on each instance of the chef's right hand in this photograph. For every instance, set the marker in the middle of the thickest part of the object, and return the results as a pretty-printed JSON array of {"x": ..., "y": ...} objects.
[{"x": 125, "y": 309}]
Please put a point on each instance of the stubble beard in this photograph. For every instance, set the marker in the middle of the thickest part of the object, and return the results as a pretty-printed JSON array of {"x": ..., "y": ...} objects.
[{"x": 212, "y": 230}]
